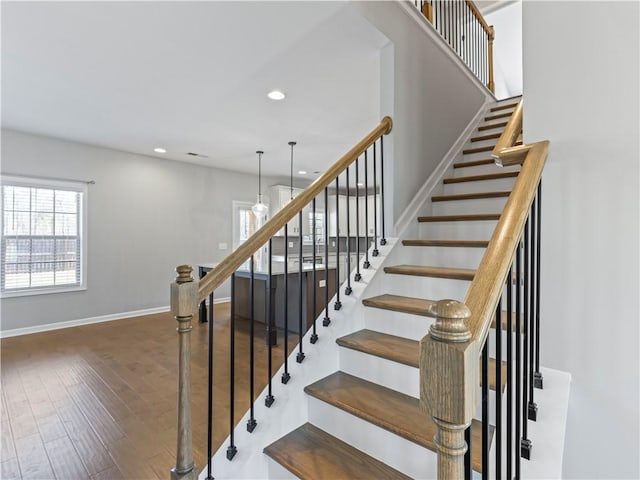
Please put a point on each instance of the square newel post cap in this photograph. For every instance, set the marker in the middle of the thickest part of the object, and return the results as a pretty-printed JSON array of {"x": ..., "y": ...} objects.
[{"x": 184, "y": 293}]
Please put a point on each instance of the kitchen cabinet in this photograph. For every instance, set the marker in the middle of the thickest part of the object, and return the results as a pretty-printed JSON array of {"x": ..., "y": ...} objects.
[
  {"x": 364, "y": 216},
  {"x": 279, "y": 197}
]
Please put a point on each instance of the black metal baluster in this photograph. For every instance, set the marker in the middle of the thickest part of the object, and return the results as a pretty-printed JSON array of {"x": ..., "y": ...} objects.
[
  {"x": 285, "y": 375},
  {"x": 449, "y": 25},
  {"x": 518, "y": 362},
  {"x": 231, "y": 449},
  {"x": 525, "y": 443},
  {"x": 537, "y": 376},
  {"x": 366, "y": 263},
  {"x": 383, "y": 240},
  {"x": 210, "y": 392},
  {"x": 509, "y": 440},
  {"x": 338, "y": 304},
  {"x": 268, "y": 401},
  {"x": 532, "y": 407},
  {"x": 251, "y": 423},
  {"x": 468, "y": 455},
  {"x": 375, "y": 251},
  {"x": 348, "y": 290},
  {"x": 498, "y": 424},
  {"x": 327, "y": 320},
  {"x": 314, "y": 335},
  {"x": 485, "y": 412},
  {"x": 301, "y": 331},
  {"x": 357, "y": 277}
]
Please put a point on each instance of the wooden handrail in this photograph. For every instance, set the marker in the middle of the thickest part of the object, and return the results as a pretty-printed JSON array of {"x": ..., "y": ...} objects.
[
  {"x": 230, "y": 264},
  {"x": 510, "y": 134},
  {"x": 488, "y": 282},
  {"x": 478, "y": 15}
]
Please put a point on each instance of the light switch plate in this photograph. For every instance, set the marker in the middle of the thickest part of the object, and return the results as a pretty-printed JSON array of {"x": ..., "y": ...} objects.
[
  {"x": 222, "y": 246},
  {"x": 290, "y": 244},
  {"x": 322, "y": 283}
]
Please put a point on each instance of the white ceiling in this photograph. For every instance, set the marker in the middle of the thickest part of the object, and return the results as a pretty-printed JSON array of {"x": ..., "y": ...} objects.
[{"x": 193, "y": 77}]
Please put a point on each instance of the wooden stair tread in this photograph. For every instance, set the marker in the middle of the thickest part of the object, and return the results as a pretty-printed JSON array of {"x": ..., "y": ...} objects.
[
  {"x": 486, "y": 176},
  {"x": 437, "y": 272},
  {"x": 446, "y": 243},
  {"x": 489, "y": 136},
  {"x": 469, "y": 196},
  {"x": 488, "y": 148},
  {"x": 459, "y": 218},
  {"x": 492, "y": 126},
  {"x": 402, "y": 350},
  {"x": 399, "y": 303},
  {"x": 397, "y": 349},
  {"x": 499, "y": 115},
  {"x": 388, "y": 409},
  {"x": 504, "y": 107},
  {"x": 311, "y": 453},
  {"x": 475, "y": 163}
]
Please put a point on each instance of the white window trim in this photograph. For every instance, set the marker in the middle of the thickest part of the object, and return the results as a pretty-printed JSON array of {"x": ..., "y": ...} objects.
[{"x": 27, "y": 181}]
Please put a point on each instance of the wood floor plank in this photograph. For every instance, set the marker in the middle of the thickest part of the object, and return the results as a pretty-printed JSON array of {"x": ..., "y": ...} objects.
[
  {"x": 9, "y": 469},
  {"x": 65, "y": 460},
  {"x": 92, "y": 451},
  {"x": 32, "y": 457},
  {"x": 112, "y": 473}
]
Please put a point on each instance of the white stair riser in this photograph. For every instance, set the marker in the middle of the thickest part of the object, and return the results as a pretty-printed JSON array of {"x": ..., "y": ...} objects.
[
  {"x": 471, "y": 157},
  {"x": 481, "y": 143},
  {"x": 467, "y": 230},
  {"x": 456, "y": 207},
  {"x": 481, "y": 170},
  {"x": 490, "y": 131},
  {"x": 278, "y": 472},
  {"x": 493, "y": 185},
  {"x": 426, "y": 287},
  {"x": 403, "y": 455},
  {"x": 455, "y": 257},
  {"x": 397, "y": 323}
]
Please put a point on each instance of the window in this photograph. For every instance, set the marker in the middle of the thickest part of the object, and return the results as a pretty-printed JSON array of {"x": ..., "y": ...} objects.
[
  {"x": 43, "y": 247},
  {"x": 245, "y": 224}
]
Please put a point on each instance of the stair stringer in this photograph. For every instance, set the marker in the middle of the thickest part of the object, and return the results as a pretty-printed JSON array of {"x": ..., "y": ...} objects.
[{"x": 290, "y": 408}]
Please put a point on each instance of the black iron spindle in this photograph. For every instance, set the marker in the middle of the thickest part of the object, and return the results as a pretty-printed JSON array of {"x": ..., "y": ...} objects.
[
  {"x": 375, "y": 251},
  {"x": 366, "y": 263},
  {"x": 327, "y": 320},
  {"x": 348, "y": 290},
  {"x": 314, "y": 240},
  {"x": 518, "y": 361},
  {"x": 251, "y": 423},
  {"x": 383, "y": 240},
  {"x": 484, "y": 378},
  {"x": 537, "y": 376},
  {"x": 357, "y": 277},
  {"x": 532, "y": 407},
  {"x": 509, "y": 439},
  {"x": 498, "y": 424},
  {"x": 468, "y": 455},
  {"x": 231, "y": 449},
  {"x": 285, "y": 375},
  {"x": 301, "y": 331},
  {"x": 525, "y": 443},
  {"x": 268, "y": 401},
  {"x": 338, "y": 304},
  {"x": 210, "y": 392}
]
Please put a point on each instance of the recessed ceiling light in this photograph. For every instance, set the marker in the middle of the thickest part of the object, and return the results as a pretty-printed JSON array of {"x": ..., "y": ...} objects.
[
  {"x": 302, "y": 172},
  {"x": 159, "y": 150},
  {"x": 276, "y": 95}
]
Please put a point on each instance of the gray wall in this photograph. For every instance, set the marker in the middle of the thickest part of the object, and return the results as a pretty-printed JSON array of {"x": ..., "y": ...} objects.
[
  {"x": 581, "y": 64},
  {"x": 146, "y": 216},
  {"x": 429, "y": 98}
]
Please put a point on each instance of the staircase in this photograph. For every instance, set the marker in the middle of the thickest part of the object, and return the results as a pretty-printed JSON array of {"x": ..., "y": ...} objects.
[{"x": 374, "y": 394}]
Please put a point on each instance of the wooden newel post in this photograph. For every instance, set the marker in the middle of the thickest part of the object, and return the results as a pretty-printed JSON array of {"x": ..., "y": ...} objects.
[
  {"x": 184, "y": 304},
  {"x": 492, "y": 35},
  {"x": 449, "y": 383}
]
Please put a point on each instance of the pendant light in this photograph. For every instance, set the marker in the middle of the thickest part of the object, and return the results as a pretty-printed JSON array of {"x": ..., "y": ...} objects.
[
  {"x": 259, "y": 209},
  {"x": 291, "y": 144}
]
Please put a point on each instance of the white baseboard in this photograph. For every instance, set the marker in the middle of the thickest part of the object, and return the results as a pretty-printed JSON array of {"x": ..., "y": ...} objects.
[
  {"x": 424, "y": 194},
  {"x": 87, "y": 321}
]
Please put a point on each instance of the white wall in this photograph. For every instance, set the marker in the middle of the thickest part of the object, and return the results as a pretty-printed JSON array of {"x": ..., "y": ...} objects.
[
  {"x": 427, "y": 94},
  {"x": 507, "y": 49},
  {"x": 581, "y": 64},
  {"x": 145, "y": 216}
]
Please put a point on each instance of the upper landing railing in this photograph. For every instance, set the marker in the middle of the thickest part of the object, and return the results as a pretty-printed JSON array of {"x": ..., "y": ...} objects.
[{"x": 464, "y": 28}]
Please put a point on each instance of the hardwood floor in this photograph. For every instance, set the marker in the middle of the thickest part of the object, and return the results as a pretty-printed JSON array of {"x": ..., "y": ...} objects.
[{"x": 99, "y": 401}]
